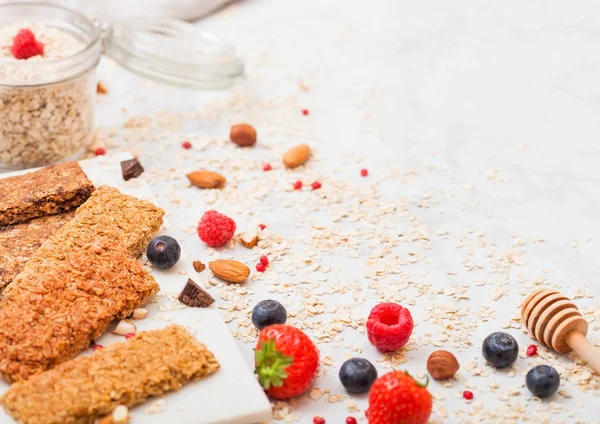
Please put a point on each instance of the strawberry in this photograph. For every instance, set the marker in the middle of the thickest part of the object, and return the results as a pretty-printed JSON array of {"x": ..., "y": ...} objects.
[
  {"x": 286, "y": 361},
  {"x": 397, "y": 398}
]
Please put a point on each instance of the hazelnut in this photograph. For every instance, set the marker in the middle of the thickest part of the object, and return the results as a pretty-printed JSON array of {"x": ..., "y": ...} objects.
[
  {"x": 442, "y": 364},
  {"x": 243, "y": 135}
]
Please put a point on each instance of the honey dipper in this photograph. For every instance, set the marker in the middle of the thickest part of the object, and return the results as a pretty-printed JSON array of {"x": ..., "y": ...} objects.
[{"x": 555, "y": 321}]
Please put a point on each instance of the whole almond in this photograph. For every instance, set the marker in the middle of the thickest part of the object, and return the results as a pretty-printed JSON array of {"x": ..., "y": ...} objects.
[
  {"x": 229, "y": 270},
  {"x": 206, "y": 179},
  {"x": 243, "y": 135},
  {"x": 296, "y": 156},
  {"x": 442, "y": 365}
]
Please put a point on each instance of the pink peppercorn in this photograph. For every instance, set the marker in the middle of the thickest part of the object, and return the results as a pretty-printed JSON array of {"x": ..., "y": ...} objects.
[
  {"x": 264, "y": 260},
  {"x": 100, "y": 151},
  {"x": 186, "y": 145},
  {"x": 468, "y": 395},
  {"x": 260, "y": 267}
]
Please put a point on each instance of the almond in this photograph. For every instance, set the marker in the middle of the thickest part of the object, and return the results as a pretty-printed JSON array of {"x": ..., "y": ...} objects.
[
  {"x": 249, "y": 240},
  {"x": 243, "y": 135},
  {"x": 139, "y": 313},
  {"x": 206, "y": 179},
  {"x": 296, "y": 156},
  {"x": 124, "y": 327},
  {"x": 442, "y": 365},
  {"x": 229, "y": 270}
]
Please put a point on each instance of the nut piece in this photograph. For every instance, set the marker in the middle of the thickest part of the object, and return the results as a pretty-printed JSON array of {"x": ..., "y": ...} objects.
[
  {"x": 120, "y": 415},
  {"x": 198, "y": 266},
  {"x": 101, "y": 88},
  {"x": 442, "y": 365},
  {"x": 229, "y": 270},
  {"x": 139, "y": 313},
  {"x": 243, "y": 135},
  {"x": 206, "y": 179},
  {"x": 296, "y": 156},
  {"x": 124, "y": 327},
  {"x": 249, "y": 240}
]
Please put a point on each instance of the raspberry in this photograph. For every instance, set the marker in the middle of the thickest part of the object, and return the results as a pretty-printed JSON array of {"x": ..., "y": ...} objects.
[
  {"x": 264, "y": 260},
  {"x": 215, "y": 229},
  {"x": 364, "y": 172},
  {"x": 389, "y": 326},
  {"x": 25, "y": 46},
  {"x": 531, "y": 350},
  {"x": 100, "y": 151},
  {"x": 468, "y": 395},
  {"x": 316, "y": 185},
  {"x": 267, "y": 167},
  {"x": 298, "y": 185},
  {"x": 186, "y": 145}
]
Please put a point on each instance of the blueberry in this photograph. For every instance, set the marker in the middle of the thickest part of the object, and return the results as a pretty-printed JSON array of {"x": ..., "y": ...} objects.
[
  {"x": 268, "y": 312},
  {"x": 542, "y": 381},
  {"x": 163, "y": 252},
  {"x": 357, "y": 375},
  {"x": 500, "y": 349}
]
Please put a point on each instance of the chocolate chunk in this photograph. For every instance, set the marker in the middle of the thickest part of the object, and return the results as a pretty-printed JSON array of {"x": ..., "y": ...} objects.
[
  {"x": 131, "y": 168},
  {"x": 199, "y": 266},
  {"x": 195, "y": 296}
]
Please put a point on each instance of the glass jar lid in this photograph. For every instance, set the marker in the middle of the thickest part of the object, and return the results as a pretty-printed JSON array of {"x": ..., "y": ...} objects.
[{"x": 172, "y": 51}]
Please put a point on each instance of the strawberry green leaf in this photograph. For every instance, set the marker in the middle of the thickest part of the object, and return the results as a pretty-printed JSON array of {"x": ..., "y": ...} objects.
[{"x": 271, "y": 364}]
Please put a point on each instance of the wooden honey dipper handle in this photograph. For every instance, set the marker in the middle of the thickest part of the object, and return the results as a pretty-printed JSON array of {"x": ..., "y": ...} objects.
[{"x": 584, "y": 349}]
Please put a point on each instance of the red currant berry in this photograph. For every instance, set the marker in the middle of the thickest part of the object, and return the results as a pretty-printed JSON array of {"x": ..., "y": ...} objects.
[
  {"x": 186, "y": 145},
  {"x": 350, "y": 420},
  {"x": 305, "y": 112},
  {"x": 267, "y": 167},
  {"x": 264, "y": 260},
  {"x": 318, "y": 420},
  {"x": 129, "y": 335},
  {"x": 531, "y": 350},
  {"x": 298, "y": 185},
  {"x": 100, "y": 151},
  {"x": 468, "y": 395},
  {"x": 97, "y": 347},
  {"x": 316, "y": 185},
  {"x": 364, "y": 172},
  {"x": 260, "y": 267},
  {"x": 262, "y": 226}
]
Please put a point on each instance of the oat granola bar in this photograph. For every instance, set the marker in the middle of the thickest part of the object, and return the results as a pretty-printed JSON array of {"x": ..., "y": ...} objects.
[
  {"x": 54, "y": 309},
  {"x": 19, "y": 242},
  {"x": 86, "y": 388},
  {"x": 48, "y": 191}
]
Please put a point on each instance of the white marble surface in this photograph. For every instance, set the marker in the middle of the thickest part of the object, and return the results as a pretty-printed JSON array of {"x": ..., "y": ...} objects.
[{"x": 494, "y": 105}]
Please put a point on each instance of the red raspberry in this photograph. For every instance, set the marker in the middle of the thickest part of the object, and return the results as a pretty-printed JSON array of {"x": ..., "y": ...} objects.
[
  {"x": 260, "y": 267},
  {"x": 389, "y": 326},
  {"x": 364, "y": 172},
  {"x": 298, "y": 185},
  {"x": 186, "y": 145},
  {"x": 100, "y": 151},
  {"x": 267, "y": 167},
  {"x": 264, "y": 260},
  {"x": 531, "y": 350},
  {"x": 468, "y": 395},
  {"x": 316, "y": 185},
  {"x": 216, "y": 229},
  {"x": 25, "y": 46}
]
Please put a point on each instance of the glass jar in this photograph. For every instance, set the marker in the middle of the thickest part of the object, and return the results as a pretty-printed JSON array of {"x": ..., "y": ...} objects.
[
  {"x": 47, "y": 102},
  {"x": 47, "y": 105}
]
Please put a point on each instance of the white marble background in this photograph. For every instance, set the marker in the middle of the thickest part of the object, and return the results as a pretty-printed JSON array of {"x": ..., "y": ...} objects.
[{"x": 495, "y": 103}]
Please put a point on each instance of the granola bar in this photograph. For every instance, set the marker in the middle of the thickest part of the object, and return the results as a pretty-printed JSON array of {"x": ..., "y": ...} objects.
[
  {"x": 86, "y": 388},
  {"x": 19, "y": 242},
  {"x": 48, "y": 191},
  {"x": 54, "y": 309}
]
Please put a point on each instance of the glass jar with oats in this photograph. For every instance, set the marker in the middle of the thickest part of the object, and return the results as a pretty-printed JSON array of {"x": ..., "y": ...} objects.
[{"x": 48, "y": 57}]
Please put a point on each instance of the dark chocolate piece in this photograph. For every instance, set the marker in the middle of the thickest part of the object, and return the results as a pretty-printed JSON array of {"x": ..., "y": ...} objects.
[
  {"x": 195, "y": 296},
  {"x": 131, "y": 168}
]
